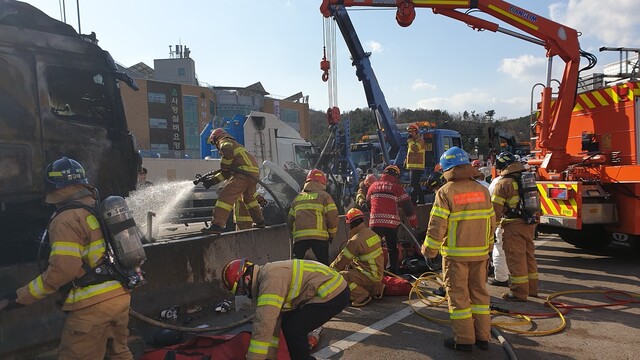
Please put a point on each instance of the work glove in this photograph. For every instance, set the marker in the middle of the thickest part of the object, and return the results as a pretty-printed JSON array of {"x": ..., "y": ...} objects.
[
  {"x": 8, "y": 301},
  {"x": 207, "y": 183},
  {"x": 261, "y": 200}
]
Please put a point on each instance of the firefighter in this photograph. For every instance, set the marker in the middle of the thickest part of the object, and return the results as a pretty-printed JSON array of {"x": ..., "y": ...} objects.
[
  {"x": 517, "y": 238},
  {"x": 415, "y": 162},
  {"x": 313, "y": 218},
  {"x": 361, "y": 261},
  {"x": 499, "y": 261},
  {"x": 361, "y": 195},
  {"x": 435, "y": 181},
  {"x": 97, "y": 312},
  {"x": 296, "y": 295},
  {"x": 234, "y": 157},
  {"x": 241, "y": 216},
  {"x": 384, "y": 198},
  {"x": 461, "y": 226}
]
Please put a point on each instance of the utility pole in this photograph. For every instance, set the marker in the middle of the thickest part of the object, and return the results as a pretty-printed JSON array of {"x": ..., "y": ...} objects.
[{"x": 78, "y": 8}]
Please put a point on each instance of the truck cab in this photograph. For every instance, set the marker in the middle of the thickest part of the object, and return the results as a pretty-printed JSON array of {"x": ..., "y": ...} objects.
[{"x": 59, "y": 96}]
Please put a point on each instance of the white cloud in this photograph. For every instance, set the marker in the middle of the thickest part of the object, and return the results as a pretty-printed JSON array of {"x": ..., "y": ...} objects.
[
  {"x": 479, "y": 101},
  {"x": 374, "y": 46},
  {"x": 418, "y": 84},
  {"x": 614, "y": 22},
  {"x": 525, "y": 69}
]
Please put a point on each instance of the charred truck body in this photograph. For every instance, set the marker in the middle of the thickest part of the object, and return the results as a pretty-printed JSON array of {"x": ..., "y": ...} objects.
[{"x": 59, "y": 95}]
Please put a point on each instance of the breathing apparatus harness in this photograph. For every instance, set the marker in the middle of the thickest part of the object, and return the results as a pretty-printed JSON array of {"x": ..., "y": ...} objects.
[
  {"x": 110, "y": 267},
  {"x": 529, "y": 205}
]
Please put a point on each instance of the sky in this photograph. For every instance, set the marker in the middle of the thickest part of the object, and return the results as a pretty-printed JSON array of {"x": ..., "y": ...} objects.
[{"x": 436, "y": 63}]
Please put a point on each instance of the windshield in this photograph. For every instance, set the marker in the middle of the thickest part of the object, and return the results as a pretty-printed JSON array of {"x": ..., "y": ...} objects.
[{"x": 304, "y": 156}]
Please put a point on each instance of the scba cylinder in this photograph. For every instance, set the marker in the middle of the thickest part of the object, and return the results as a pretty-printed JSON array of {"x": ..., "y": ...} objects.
[
  {"x": 531, "y": 198},
  {"x": 125, "y": 235}
]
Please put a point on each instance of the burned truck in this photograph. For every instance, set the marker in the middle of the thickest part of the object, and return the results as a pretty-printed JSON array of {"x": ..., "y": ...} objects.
[{"x": 59, "y": 95}]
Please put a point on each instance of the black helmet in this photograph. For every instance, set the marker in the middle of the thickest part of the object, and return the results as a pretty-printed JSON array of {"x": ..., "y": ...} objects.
[
  {"x": 62, "y": 173},
  {"x": 504, "y": 159},
  {"x": 436, "y": 180}
]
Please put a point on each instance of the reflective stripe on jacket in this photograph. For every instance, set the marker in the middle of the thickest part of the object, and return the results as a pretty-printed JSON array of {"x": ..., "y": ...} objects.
[
  {"x": 364, "y": 252},
  {"x": 415, "y": 154},
  {"x": 235, "y": 156},
  {"x": 462, "y": 219},
  {"x": 75, "y": 238},
  {"x": 283, "y": 286},
  {"x": 385, "y": 196},
  {"x": 313, "y": 214}
]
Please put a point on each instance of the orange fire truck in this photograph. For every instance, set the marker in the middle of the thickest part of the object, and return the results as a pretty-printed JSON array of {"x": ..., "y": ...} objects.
[{"x": 586, "y": 144}]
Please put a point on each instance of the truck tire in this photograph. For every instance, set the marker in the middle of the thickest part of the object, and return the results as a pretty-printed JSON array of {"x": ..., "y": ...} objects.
[{"x": 591, "y": 237}]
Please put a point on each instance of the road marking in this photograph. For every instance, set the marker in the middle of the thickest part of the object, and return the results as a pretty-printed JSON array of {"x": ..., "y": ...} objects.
[{"x": 356, "y": 337}]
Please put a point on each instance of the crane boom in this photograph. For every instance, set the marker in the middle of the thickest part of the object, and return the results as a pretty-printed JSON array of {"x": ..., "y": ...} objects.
[{"x": 558, "y": 40}]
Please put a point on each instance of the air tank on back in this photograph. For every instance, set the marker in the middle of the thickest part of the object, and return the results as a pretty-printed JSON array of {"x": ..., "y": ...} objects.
[{"x": 125, "y": 235}]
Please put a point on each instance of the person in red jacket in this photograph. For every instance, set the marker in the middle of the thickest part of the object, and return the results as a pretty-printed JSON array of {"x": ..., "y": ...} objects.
[{"x": 384, "y": 198}]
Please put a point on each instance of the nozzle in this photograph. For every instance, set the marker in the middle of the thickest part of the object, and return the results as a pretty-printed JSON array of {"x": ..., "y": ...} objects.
[{"x": 197, "y": 179}]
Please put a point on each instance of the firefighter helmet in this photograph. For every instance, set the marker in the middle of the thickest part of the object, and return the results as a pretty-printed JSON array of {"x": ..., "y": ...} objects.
[
  {"x": 216, "y": 134},
  {"x": 232, "y": 273},
  {"x": 453, "y": 157},
  {"x": 436, "y": 180},
  {"x": 370, "y": 179},
  {"x": 413, "y": 127},
  {"x": 64, "y": 172},
  {"x": 392, "y": 170},
  {"x": 504, "y": 159},
  {"x": 476, "y": 163},
  {"x": 353, "y": 214},
  {"x": 316, "y": 175}
]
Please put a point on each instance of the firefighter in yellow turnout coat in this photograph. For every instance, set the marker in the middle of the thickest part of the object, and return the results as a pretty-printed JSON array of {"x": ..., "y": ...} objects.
[
  {"x": 361, "y": 261},
  {"x": 415, "y": 161},
  {"x": 234, "y": 157},
  {"x": 313, "y": 218},
  {"x": 518, "y": 235},
  {"x": 295, "y": 295},
  {"x": 98, "y": 312},
  {"x": 461, "y": 226}
]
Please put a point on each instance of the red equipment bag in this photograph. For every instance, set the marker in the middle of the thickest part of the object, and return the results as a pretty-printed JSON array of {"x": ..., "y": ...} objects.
[
  {"x": 212, "y": 347},
  {"x": 395, "y": 286}
]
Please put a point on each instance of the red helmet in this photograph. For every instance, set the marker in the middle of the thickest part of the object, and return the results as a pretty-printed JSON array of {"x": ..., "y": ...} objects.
[
  {"x": 392, "y": 170},
  {"x": 216, "y": 134},
  {"x": 476, "y": 163},
  {"x": 232, "y": 273},
  {"x": 413, "y": 127},
  {"x": 370, "y": 179},
  {"x": 353, "y": 214},
  {"x": 316, "y": 175}
]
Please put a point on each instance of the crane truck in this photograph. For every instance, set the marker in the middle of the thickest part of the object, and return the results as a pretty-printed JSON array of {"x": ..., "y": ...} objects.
[
  {"x": 586, "y": 145},
  {"x": 59, "y": 95},
  {"x": 391, "y": 142}
]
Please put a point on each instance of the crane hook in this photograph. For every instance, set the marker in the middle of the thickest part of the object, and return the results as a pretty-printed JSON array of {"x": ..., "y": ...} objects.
[{"x": 325, "y": 65}]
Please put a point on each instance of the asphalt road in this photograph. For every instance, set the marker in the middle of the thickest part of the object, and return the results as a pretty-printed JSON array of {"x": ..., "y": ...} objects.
[{"x": 389, "y": 328}]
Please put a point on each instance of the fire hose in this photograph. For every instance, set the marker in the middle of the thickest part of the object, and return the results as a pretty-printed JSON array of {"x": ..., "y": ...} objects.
[{"x": 434, "y": 299}]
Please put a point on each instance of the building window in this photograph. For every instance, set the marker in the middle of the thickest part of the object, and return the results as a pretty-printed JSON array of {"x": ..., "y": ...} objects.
[
  {"x": 191, "y": 126},
  {"x": 182, "y": 72},
  {"x": 157, "y": 123},
  {"x": 162, "y": 149},
  {"x": 157, "y": 98},
  {"x": 291, "y": 118}
]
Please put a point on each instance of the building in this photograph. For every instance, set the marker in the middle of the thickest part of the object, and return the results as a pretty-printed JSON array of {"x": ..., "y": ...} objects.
[{"x": 171, "y": 108}]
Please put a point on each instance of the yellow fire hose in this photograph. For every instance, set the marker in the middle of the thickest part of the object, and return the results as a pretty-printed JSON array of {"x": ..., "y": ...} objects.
[{"x": 421, "y": 291}]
